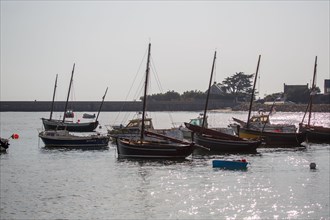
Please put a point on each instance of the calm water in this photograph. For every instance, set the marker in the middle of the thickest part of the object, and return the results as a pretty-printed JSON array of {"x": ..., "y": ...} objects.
[{"x": 37, "y": 183}]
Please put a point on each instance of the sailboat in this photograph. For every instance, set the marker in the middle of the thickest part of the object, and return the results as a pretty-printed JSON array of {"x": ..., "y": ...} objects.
[
  {"x": 53, "y": 124},
  {"x": 270, "y": 138},
  {"x": 316, "y": 134},
  {"x": 159, "y": 146},
  {"x": 217, "y": 141}
]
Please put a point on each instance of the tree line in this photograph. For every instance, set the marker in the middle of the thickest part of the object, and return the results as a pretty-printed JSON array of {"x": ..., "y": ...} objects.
[{"x": 237, "y": 87}]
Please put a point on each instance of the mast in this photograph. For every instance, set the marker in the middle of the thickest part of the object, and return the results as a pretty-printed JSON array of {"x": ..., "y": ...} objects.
[
  {"x": 52, "y": 108},
  {"x": 145, "y": 94},
  {"x": 312, "y": 92},
  {"x": 309, "y": 106},
  {"x": 67, "y": 99},
  {"x": 252, "y": 96},
  {"x": 208, "y": 92},
  {"x": 98, "y": 113}
]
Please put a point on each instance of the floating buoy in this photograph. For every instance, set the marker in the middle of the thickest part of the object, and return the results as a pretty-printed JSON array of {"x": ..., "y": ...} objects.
[
  {"x": 15, "y": 136},
  {"x": 312, "y": 166}
]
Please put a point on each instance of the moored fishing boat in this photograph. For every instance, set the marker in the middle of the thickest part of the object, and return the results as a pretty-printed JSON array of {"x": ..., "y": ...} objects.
[
  {"x": 4, "y": 142},
  {"x": 262, "y": 122},
  {"x": 314, "y": 133},
  {"x": 133, "y": 129},
  {"x": 53, "y": 124},
  {"x": 65, "y": 139},
  {"x": 274, "y": 139},
  {"x": 216, "y": 141},
  {"x": 160, "y": 146},
  {"x": 269, "y": 138}
]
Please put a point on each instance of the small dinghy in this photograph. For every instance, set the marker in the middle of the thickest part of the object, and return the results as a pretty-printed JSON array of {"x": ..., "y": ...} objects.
[{"x": 230, "y": 164}]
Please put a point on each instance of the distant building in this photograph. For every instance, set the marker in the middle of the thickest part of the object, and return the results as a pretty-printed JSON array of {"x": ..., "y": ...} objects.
[
  {"x": 217, "y": 89},
  {"x": 290, "y": 88},
  {"x": 296, "y": 93},
  {"x": 327, "y": 86}
]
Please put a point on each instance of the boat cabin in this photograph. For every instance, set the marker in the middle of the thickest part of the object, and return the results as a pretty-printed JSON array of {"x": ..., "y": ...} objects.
[
  {"x": 137, "y": 123},
  {"x": 262, "y": 119}
]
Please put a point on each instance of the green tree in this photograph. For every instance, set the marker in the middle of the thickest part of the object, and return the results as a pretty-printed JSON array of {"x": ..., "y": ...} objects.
[
  {"x": 239, "y": 86},
  {"x": 193, "y": 94},
  {"x": 274, "y": 96},
  {"x": 168, "y": 96}
]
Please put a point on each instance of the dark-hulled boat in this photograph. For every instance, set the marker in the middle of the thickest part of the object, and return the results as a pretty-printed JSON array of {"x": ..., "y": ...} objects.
[
  {"x": 274, "y": 139},
  {"x": 163, "y": 148},
  {"x": 269, "y": 139},
  {"x": 159, "y": 147},
  {"x": 52, "y": 124},
  {"x": 215, "y": 141},
  {"x": 4, "y": 144},
  {"x": 64, "y": 139},
  {"x": 314, "y": 133}
]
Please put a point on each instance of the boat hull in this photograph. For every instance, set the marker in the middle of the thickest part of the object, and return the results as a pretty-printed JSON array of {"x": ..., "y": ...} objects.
[
  {"x": 75, "y": 141},
  {"x": 4, "y": 144},
  {"x": 152, "y": 149},
  {"x": 316, "y": 134},
  {"x": 274, "y": 139},
  {"x": 317, "y": 137},
  {"x": 220, "y": 145},
  {"x": 69, "y": 126}
]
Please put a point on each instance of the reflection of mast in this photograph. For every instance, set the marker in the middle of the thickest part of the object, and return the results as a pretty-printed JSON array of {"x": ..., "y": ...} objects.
[
  {"x": 252, "y": 96},
  {"x": 52, "y": 108},
  {"x": 67, "y": 100}
]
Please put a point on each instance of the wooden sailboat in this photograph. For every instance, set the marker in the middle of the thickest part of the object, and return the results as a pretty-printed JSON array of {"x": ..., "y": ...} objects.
[
  {"x": 316, "y": 134},
  {"x": 270, "y": 139},
  {"x": 64, "y": 139},
  {"x": 217, "y": 141},
  {"x": 159, "y": 147},
  {"x": 53, "y": 124}
]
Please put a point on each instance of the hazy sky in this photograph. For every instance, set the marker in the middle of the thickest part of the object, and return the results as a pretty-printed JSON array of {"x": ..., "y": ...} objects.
[{"x": 108, "y": 40}]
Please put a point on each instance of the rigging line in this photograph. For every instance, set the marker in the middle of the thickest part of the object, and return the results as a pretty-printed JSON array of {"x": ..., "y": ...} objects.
[
  {"x": 135, "y": 97},
  {"x": 136, "y": 74},
  {"x": 153, "y": 68}
]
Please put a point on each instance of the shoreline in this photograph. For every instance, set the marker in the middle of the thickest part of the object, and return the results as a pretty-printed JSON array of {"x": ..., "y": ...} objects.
[{"x": 111, "y": 106}]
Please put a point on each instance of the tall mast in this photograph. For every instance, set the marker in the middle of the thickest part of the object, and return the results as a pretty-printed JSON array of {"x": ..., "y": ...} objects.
[
  {"x": 252, "y": 96},
  {"x": 208, "y": 92},
  {"x": 312, "y": 92},
  {"x": 98, "y": 113},
  {"x": 309, "y": 106},
  {"x": 145, "y": 94},
  {"x": 67, "y": 99},
  {"x": 52, "y": 108}
]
